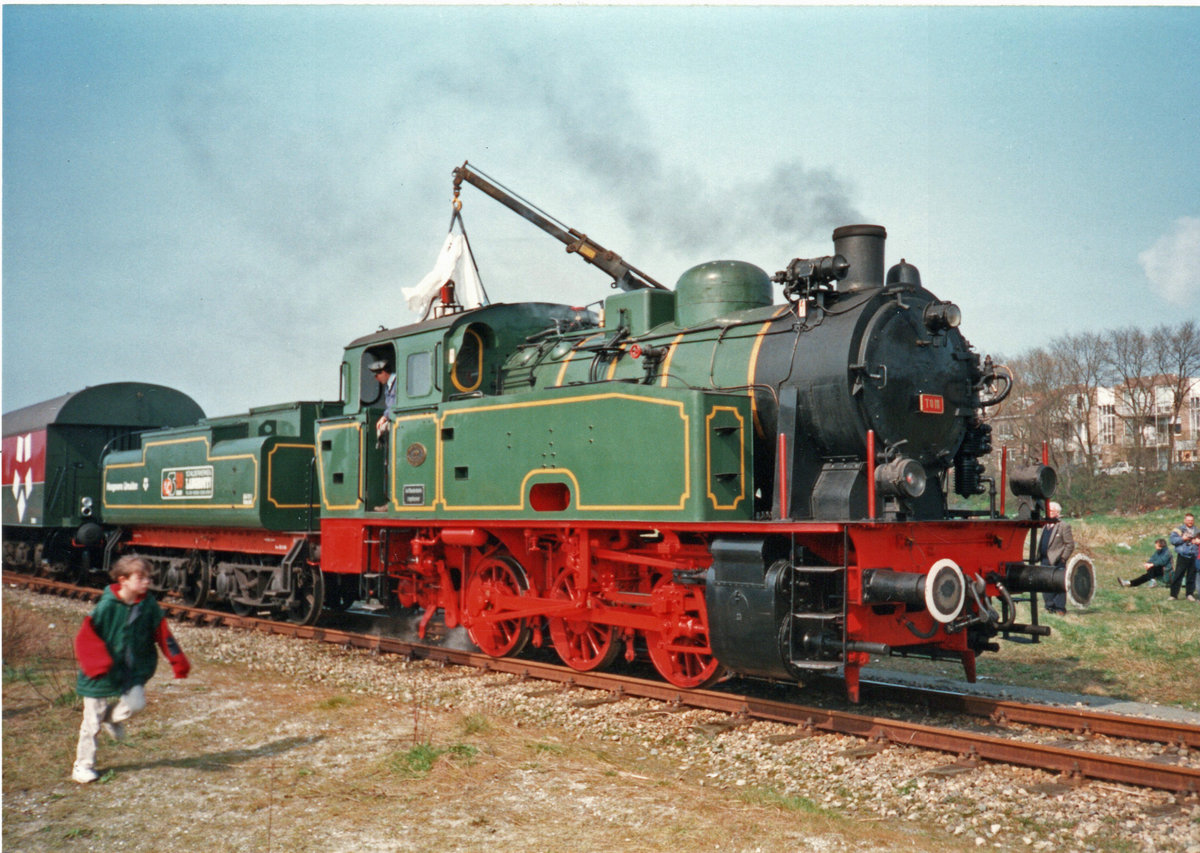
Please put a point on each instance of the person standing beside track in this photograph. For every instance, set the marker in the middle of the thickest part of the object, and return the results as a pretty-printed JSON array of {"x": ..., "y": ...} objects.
[
  {"x": 1185, "y": 538},
  {"x": 1055, "y": 547}
]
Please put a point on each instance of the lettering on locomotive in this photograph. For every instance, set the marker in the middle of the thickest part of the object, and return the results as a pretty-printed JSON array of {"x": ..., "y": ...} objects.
[{"x": 185, "y": 483}]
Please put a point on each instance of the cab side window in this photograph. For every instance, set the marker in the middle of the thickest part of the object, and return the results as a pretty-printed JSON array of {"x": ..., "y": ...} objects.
[
  {"x": 418, "y": 374},
  {"x": 467, "y": 373},
  {"x": 370, "y": 391}
]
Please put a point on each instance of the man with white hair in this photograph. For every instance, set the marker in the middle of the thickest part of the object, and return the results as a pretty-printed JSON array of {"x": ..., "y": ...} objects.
[{"x": 1054, "y": 549}]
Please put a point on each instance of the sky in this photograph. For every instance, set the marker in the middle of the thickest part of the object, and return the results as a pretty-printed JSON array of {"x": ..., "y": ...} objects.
[{"x": 220, "y": 198}]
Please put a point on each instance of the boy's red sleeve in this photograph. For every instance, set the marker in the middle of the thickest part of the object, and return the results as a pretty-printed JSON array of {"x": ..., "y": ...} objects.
[
  {"x": 90, "y": 651},
  {"x": 166, "y": 641}
]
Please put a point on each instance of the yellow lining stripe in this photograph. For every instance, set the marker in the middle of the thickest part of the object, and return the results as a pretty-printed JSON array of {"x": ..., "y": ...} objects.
[
  {"x": 708, "y": 455},
  {"x": 612, "y": 368},
  {"x": 566, "y": 472},
  {"x": 562, "y": 370},
  {"x": 666, "y": 365},
  {"x": 753, "y": 368},
  {"x": 394, "y": 463},
  {"x": 357, "y": 468},
  {"x": 177, "y": 505},
  {"x": 270, "y": 479},
  {"x": 458, "y": 361}
]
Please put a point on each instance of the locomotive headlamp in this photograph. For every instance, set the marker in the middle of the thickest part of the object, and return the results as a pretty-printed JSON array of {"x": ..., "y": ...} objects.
[
  {"x": 902, "y": 478},
  {"x": 1034, "y": 481},
  {"x": 942, "y": 315}
]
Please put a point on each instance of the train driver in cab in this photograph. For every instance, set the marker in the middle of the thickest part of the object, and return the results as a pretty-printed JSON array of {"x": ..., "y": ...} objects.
[{"x": 386, "y": 378}]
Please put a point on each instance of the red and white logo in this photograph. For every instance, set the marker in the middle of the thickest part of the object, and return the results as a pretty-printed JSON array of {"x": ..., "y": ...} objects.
[{"x": 22, "y": 483}]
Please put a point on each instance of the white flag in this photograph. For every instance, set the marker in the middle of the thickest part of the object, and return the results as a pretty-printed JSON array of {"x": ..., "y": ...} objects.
[{"x": 454, "y": 261}]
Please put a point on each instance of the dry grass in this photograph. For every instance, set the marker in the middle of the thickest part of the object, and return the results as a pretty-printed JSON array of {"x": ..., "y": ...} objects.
[
  {"x": 233, "y": 759},
  {"x": 38, "y": 652},
  {"x": 1131, "y": 644}
]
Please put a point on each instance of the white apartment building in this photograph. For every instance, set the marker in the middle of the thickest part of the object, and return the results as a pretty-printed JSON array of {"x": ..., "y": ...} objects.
[{"x": 1120, "y": 423}]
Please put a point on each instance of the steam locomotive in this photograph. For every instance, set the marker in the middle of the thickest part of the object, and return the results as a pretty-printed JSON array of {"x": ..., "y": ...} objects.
[{"x": 701, "y": 476}]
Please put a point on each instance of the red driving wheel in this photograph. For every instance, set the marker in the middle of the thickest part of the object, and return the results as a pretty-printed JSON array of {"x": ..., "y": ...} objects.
[
  {"x": 582, "y": 644},
  {"x": 680, "y": 651},
  {"x": 496, "y": 578}
]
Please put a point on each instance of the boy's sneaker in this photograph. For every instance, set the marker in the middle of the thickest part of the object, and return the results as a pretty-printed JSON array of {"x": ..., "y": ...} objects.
[
  {"x": 1191, "y": 598},
  {"x": 1122, "y": 582},
  {"x": 83, "y": 775},
  {"x": 115, "y": 730},
  {"x": 1153, "y": 583}
]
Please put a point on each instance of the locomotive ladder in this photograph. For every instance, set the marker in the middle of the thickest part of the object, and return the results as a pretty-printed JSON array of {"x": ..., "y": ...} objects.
[
  {"x": 803, "y": 613},
  {"x": 372, "y": 585}
]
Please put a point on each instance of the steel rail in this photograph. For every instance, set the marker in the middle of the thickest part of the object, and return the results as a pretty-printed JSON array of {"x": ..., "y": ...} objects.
[
  {"x": 969, "y": 747},
  {"x": 1002, "y": 712}
]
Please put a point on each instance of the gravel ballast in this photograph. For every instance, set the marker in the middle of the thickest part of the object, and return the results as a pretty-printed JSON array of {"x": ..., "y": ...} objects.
[{"x": 550, "y": 770}]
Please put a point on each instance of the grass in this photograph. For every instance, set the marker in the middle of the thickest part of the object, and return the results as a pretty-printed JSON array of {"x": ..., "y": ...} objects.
[
  {"x": 416, "y": 761},
  {"x": 787, "y": 802},
  {"x": 1130, "y": 644},
  {"x": 475, "y": 724}
]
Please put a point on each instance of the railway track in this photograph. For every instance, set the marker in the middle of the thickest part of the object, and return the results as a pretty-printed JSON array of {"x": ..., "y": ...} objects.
[{"x": 1167, "y": 771}]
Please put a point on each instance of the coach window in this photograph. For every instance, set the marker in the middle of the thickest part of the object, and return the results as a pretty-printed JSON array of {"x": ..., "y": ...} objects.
[{"x": 418, "y": 376}]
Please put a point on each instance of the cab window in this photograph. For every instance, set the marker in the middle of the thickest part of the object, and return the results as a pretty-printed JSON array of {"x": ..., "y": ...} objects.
[
  {"x": 418, "y": 374},
  {"x": 468, "y": 363},
  {"x": 369, "y": 389}
]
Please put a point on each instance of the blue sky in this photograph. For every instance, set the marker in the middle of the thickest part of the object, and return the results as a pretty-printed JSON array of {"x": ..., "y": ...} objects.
[{"x": 220, "y": 198}]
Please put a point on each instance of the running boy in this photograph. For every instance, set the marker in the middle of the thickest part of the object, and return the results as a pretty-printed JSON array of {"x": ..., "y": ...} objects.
[{"x": 115, "y": 650}]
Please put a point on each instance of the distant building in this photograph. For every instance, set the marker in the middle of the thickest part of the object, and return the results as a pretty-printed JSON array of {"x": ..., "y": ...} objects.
[{"x": 1124, "y": 425}]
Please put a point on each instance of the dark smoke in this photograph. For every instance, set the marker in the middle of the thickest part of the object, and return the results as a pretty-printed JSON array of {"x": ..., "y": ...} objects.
[{"x": 600, "y": 128}]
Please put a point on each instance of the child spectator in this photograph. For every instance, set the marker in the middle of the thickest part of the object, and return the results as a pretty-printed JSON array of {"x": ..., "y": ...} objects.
[
  {"x": 1155, "y": 567},
  {"x": 115, "y": 650}
]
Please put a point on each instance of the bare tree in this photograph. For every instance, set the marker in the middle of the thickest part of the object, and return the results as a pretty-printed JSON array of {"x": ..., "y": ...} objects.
[
  {"x": 1082, "y": 360},
  {"x": 1131, "y": 359},
  {"x": 1177, "y": 359},
  {"x": 1040, "y": 409}
]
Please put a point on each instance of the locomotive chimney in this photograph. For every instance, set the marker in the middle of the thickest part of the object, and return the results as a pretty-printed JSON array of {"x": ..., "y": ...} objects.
[{"x": 862, "y": 246}]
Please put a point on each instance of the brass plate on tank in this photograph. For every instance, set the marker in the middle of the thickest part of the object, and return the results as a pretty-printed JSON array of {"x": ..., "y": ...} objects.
[{"x": 416, "y": 454}]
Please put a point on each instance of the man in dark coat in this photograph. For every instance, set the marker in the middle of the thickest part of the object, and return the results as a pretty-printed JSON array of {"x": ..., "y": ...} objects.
[{"x": 1055, "y": 547}]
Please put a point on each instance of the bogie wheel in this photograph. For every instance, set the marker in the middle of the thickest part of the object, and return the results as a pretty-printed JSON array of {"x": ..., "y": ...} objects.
[
  {"x": 304, "y": 607},
  {"x": 197, "y": 577},
  {"x": 495, "y": 578},
  {"x": 240, "y": 608},
  {"x": 681, "y": 652},
  {"x": 582, "y": 644}
]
